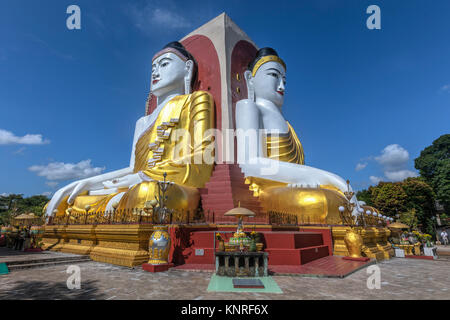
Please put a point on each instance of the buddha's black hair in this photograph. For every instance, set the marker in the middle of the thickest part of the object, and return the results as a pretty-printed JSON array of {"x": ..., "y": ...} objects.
[
  {"x": 262, "y": 53},
  {"x": 178, "y": 46}
]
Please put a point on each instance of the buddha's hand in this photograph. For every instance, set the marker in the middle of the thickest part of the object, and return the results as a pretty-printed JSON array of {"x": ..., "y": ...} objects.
[
  {"x": 80, "y": 186},
  {"x": 126, "y": 181},
  {"x": 58, "y": 197}
]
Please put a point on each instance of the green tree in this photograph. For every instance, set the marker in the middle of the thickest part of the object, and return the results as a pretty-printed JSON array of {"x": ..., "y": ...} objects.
[
  {"x": 420, "y": 197},
  {"x": 409, "y": 217},
  {"x": 15, "y": 204},
  {"x": 434, "y": 165},
  {"x": 366, "y": 196},
  {"x": 389, "y": 198}
]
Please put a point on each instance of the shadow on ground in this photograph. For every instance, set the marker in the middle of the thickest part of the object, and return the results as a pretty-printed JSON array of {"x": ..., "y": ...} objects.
[{"x": 40, "y": 290}]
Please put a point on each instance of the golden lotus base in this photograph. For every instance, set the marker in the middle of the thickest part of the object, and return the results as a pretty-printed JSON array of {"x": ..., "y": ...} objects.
[
  {"x": 410, "y": 249},
  {"x": 375, "y": 243},
  {"x": 121, "y": 244}
]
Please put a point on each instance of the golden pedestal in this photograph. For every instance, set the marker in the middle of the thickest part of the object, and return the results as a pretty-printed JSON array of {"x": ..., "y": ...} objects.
[
  {"x": 54, "y": 237},
  {"x": 120, "y": 244},
  {"x": 408, "y": 248},
  {"x": 375, "y": 244}
]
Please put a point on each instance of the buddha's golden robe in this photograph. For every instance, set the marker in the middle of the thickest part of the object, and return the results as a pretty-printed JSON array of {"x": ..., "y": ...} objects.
[
  {"x": 311, "y": 205},
  {"x": 177, "y": 144}
]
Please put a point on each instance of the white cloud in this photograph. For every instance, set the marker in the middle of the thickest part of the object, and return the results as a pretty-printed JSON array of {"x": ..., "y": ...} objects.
[
  {"x": 7, "y": 137},
  {"x": 393, "y": 158},
  {"x": 360, "y": 166},
  {"x": 150, "y": 17},
  {"x": 375, "y": 180},
  {"x": 400, "y": 175},
  {"x": 394, "y": 163},
  {"x": 47, "y": 193},
  {"x": 445, "y": 88},
  {"x": 20, "y": 151},
  {"x": 51, "y": 184},
  {"x": 60, "y": 171},
  {"x": 4, "y": 194}
]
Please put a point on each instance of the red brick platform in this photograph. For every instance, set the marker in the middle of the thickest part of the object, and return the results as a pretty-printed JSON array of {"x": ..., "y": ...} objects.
[
  {"x": 284, "y": 247},
  {"x": 328, "y": 267},
  {"x": 197, "y": 267},
  {"x": 157, "y": 267},
  {"x": 419, "y": 257}
]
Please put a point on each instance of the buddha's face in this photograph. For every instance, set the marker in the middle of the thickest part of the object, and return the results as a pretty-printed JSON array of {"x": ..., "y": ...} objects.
[
  {"x": 168, "y": 73},
  {"x": 269, "y": 82}
]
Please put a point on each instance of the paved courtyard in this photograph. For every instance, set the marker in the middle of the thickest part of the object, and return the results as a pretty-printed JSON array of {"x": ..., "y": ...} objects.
[{"x": 400, "y": 279}]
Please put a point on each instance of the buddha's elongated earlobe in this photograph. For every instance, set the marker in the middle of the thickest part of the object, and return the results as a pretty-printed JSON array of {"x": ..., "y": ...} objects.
[
  {"x": 250, "y": 89},
  {"x": 188, "y": 76}
]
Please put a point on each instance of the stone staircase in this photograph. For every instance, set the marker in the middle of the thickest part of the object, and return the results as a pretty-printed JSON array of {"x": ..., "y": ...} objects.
[
  {"x": 294, "y": 248},
  {"x": 226, "y": 190},
  {"x": 35, "y": 263}
]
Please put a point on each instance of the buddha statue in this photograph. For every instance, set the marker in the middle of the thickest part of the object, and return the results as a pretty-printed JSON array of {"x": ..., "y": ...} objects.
[
  {"x": 273, "y": 160},
  {"x": 170, "y": 140}
]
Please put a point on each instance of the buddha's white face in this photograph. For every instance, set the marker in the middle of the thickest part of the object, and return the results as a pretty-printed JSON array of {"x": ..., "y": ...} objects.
[
  {"x": 269, "y": 82},
  {"x": 168, "y": 73}
]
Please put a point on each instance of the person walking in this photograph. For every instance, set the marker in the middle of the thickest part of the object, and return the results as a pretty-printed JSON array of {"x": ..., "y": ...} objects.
[
  {"x": 17, "y": 239},
  {"x": 444, "y": 237}
]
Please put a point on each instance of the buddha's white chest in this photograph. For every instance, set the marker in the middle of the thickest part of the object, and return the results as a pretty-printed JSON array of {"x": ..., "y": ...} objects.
[{"x": 272, "y": 119}]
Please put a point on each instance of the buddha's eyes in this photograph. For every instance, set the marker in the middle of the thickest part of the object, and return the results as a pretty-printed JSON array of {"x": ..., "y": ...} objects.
[
  {"x": 164, "y": 64},
  {"x": 273, "y": 74}
]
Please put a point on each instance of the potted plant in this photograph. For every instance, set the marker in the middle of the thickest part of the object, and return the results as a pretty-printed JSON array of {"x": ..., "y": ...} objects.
[
  {"x": 427, "y": 238},
  {"x": 256, "y": 237}
]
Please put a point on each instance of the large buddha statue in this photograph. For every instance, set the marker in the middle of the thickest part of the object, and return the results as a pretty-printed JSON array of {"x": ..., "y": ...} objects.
[
  {"x": 170, "y": 140},
  {"x": 273, "y": 160}
]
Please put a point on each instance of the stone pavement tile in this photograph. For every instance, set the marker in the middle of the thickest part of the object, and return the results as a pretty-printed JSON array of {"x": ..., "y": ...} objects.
[{"x": 400, "y": 279}]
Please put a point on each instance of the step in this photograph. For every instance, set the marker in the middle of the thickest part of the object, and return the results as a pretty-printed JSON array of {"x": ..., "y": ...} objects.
[
  {"x": 296, "y": 256},
  {"x": 226, "y": 196},
  {"x": 45, "y": 264},
  {"x": 227, "y": 205},
  {"x": 226, "y": 185},
  {"x": 292, "y": 239},
  {"x": 45, "y": 260}
]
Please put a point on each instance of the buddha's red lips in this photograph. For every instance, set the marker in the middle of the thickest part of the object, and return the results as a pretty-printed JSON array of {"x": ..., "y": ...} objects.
[
  {"x": 281, "y": 92},
  {"x": 155, "y": 81}
]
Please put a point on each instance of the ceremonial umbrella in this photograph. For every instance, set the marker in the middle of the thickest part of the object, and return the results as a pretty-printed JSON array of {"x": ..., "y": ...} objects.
[
  {"x": 398, "y": 225},
  {"x": 240, "y": 212}
]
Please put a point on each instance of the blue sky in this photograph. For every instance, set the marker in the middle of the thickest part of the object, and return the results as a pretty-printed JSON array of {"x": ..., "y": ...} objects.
[{"x": 363, "y": 102}]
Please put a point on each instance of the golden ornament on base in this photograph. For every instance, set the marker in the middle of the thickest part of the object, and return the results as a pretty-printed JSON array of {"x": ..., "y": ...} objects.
[{"x": 354, "y": 243}]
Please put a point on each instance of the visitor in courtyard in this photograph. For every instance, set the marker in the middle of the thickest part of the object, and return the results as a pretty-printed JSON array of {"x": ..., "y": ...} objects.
[{"x": 444, "y": 237}]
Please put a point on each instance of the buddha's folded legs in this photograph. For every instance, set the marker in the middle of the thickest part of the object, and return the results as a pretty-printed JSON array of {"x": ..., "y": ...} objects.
[
  {"x": 309, "y": 205},
  {"x": 180, "y": 198}
]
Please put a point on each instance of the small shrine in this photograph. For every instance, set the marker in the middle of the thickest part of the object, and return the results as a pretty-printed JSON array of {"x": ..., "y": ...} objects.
[{"x": 241, "y": 256}]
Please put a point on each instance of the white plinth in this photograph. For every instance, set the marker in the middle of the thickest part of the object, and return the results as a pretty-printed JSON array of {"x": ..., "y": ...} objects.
[
  {"x": 399, "y": 253},
  {"x": 431, "y": 252}
]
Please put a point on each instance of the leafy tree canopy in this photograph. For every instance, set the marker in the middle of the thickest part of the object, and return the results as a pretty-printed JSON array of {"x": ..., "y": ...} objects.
[
  {"x": 434, "y": 165},
  {"x": 15, "y": 204}
]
